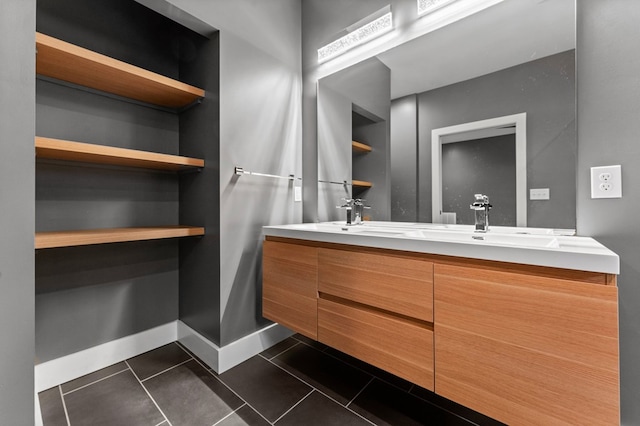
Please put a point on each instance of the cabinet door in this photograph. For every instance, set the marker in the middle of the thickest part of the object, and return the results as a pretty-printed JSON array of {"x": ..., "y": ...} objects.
[
  {"x": 527, "y": 349},
  {"x": 289, "y": 286},
  {"x": 395, "y": 283},
  {"x": 397, "y": 345}
]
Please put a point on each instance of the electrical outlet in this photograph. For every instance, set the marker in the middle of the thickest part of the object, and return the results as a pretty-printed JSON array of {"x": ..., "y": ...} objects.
[
  {"x": 606, "y": 182},
  {"x": 539, "y": 194}
]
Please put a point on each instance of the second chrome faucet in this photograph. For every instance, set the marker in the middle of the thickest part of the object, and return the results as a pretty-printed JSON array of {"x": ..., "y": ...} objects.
[
  {"x": 481, "y": 207},
  {"x": 354, "y": 208}
]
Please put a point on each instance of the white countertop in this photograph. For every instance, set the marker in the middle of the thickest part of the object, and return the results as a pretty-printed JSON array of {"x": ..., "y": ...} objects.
[{"x": 530, "y": 246}]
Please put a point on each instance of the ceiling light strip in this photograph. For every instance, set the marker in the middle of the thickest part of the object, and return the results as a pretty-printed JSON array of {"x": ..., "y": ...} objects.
[
  {"x": 428, "y": 6},
  {"x": 357, "y": 37}
]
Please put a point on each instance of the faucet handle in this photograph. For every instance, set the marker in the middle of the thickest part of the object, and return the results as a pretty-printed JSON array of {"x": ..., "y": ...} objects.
[
  {"x": 481, "y": 198},
  {"x": 348, "y": 203},
  {"x": 481, "y": 202}
]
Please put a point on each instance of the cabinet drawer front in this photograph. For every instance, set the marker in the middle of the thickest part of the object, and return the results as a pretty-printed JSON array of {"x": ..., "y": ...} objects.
[
  {"x": 296, "y": 312},
  {"x": 398, "y": 346},
  {"x": 403, "y": 285},
  {"x": 526, "y": 349},
  {"x": 291, "y": 267},
  {"x": 289, "y": 286}
]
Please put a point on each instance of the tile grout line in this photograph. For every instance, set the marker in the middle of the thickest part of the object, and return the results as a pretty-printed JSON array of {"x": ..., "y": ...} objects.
[
  {"x": 184, "y": 349},
  {"x": 286, "y": 350},
  {"x": 94, "y": 382},
  {"x": 164, "y": 421},
  {"x": 215, "y": 376},
  {"x": 321, "y": 392},
  {"x": 373, "y": 377},
  {"x": 149, "y": 394},
  {"x": 229, "y": 415},
  {"x": 361, "y": 390},
  {"x": 295, "y": 405},
  {"x": 64, "y": 405},
  {"x": 165, "y": 370}
]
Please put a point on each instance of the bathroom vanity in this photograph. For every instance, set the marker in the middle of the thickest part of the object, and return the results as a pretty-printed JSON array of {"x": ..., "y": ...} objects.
[{"x": 520, "y": 327}]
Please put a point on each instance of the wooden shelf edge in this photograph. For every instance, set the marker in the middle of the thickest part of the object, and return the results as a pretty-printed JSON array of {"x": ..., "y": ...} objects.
[
  {"x": 362, "y": 183},
  {"x": 56, "y": 239},
  {"x": 359, "y": 146},
  {"x": 65, "y": 61},
  {"x": 59, "y": 149}
]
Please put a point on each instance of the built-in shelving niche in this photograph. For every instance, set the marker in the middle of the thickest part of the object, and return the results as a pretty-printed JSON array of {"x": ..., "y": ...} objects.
[
  {"x": 127, "y": 184},
  {"x": 67, "y": 62}
]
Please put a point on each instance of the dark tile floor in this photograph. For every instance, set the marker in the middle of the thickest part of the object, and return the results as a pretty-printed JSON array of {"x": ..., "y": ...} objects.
[{"x": 297, "y": 382}]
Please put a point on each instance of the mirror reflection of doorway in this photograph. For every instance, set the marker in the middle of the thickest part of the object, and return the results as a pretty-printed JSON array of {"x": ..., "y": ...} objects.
[
  {"x": 480, "y": 166},
  {"x": 487, "y": 130}
]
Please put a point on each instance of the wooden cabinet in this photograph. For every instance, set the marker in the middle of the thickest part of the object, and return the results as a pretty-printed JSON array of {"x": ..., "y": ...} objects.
[
  {"x": 289, "y": 286},
  {"x": 523, "y": 344},
  {"x": 379, "y": 308},
  {"x": 526, "y": 348}
]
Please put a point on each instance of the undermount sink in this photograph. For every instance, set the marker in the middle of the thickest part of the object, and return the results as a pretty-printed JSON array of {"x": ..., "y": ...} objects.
[{"x": 520, "y": 240}]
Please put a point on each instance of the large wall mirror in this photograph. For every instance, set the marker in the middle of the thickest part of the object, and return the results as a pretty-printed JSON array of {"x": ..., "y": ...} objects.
[{"x": 377, "y": 121}]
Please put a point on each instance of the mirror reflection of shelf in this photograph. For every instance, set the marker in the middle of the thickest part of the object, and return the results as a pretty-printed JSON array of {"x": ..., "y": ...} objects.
[
  {"x": 361, "y": 184},
  {"x": 360, "y": 147},
  {"x": 56, "y": 239},
  {"x": 58, "y": 149}
]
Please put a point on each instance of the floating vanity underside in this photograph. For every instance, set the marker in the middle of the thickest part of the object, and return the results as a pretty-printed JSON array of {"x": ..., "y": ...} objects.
[{"x": 524, "y": 344}]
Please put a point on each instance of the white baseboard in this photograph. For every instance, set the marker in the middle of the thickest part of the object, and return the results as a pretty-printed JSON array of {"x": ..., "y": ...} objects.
[
  {"x": 60, "y": 370},
  {"x": 222, "y": 359}
]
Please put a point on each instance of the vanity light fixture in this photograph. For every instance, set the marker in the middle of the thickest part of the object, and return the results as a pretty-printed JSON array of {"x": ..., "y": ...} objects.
[
  {"x": 428, "y": 6},
  {"x": 359, "y": 33}
]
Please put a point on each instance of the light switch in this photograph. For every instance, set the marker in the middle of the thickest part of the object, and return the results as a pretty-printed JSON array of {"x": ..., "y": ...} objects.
[
  {"x": 539, "y": 194},
  {"x": 297, "y": 193}
]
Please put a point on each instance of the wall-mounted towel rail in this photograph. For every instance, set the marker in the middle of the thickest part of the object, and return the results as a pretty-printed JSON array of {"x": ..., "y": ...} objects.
[
  {"x": 343, "y": 183},
  {"x": 240, "y": 171}
]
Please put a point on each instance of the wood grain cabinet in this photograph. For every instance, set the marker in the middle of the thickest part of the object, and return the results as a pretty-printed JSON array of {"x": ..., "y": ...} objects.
[
  {"x": 527, "y": 348},
  {"x": 525, "y": 345},
  {"x": 289, "y": 286},
  {"x": 378, "y": 308}
]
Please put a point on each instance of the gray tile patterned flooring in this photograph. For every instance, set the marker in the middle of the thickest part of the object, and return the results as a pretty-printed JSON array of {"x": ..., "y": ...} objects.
[{"x": 296, "y": 382}]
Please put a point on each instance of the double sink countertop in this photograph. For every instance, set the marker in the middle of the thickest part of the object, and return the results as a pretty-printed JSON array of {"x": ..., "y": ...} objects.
[{"x": 556, "y": 248}]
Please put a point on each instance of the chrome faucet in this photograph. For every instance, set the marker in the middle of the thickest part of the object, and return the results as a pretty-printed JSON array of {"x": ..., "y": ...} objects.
[
  {"x": 354, "y": 208},
  {"x": 481, "y": 207}
]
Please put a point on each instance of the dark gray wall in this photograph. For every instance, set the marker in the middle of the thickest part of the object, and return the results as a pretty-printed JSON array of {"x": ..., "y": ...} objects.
[
  {"x": 608, "y": 129},
  {"x": 17, "y": 182},
  {"x": 199, "y": 301},
  {"x": 481, "y": 166},
  {"x": 545, "y": 90},
  {"x": 91, "y": 295},
  {"x": 404, "y": 159}
]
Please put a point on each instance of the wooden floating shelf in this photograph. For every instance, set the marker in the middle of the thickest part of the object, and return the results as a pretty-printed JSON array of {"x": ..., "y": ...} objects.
[
  {"x": 45, "y": 240},
  {"x": 360, "y": 147},
  {"x": 361, "y": 183},
  {"x": 67, "y": 62},
  {"x": 59, "y": 149}
]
